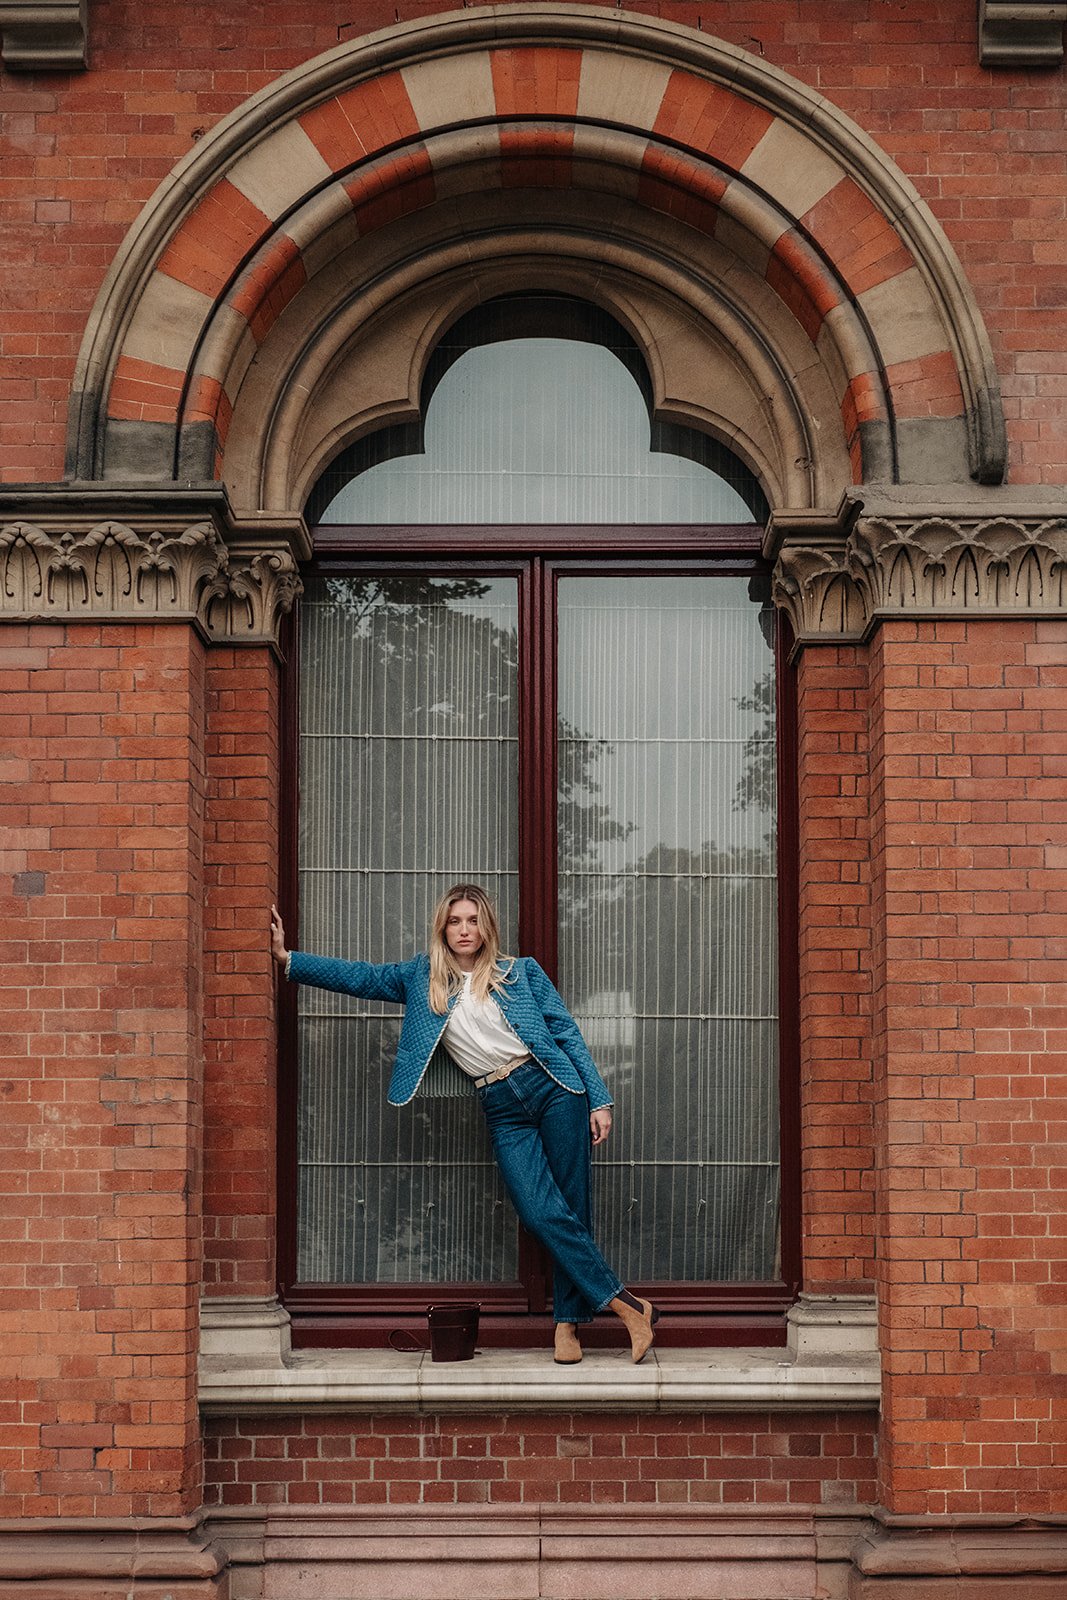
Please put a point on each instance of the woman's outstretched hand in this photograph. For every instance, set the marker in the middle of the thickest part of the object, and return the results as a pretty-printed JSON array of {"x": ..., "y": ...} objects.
[
  {"x": 277, "y": 936},
  {"x": 600, "y": 1124}
]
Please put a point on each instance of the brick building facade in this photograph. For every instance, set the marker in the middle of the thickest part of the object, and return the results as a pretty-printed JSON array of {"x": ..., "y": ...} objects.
[{"x": 836, "y": 235}]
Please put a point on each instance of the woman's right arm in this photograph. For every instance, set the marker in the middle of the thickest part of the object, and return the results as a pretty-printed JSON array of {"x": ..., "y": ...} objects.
[{"x": 360, "y": 978}]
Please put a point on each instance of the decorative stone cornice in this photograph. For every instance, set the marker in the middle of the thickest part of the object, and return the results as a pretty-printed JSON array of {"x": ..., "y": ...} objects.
[
  {"x": 838, "y": 576},
  {"x": 937, "y": 563},
  {"x": 73, "y": 554},
  {"x": 1020, "y": 33},
  {"x": 44, "y": 35},
  {"x": 107, "y": 570}
]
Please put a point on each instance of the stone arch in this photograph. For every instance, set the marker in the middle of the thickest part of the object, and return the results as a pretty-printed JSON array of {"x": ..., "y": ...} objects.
[{"x": 744, "y": 229}]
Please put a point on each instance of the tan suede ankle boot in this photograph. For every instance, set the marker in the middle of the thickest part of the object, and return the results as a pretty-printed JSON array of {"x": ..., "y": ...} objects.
[
  {"x": 638, "y": 1325},
  {"x": 568, "y": 1350}
]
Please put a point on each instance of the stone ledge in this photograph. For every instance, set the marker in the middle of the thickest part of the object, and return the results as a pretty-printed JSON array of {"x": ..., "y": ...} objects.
[
  {"x": 246, "y": 1366},
  {"x": 43, "y": 35},
  {"x": 1020, "y": 33},
  {"x": 600, "y": 1552},
  {"x": 111, "y": 1552}
]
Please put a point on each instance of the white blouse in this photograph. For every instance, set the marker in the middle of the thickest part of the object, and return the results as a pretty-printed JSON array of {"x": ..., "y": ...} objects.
[{"x": 478, "y": 1037}]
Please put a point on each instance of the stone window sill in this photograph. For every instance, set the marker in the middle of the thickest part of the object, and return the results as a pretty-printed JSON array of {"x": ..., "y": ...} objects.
[{"x": 246, "y": 1365}]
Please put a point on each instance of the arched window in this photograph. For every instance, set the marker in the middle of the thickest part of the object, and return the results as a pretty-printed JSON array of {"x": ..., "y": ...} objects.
[
  {"x": 536, "y": 409},
  {"x": 537, "y": 652}
]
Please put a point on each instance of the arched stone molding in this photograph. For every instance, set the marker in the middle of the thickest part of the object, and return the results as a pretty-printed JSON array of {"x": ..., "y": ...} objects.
[
  {"x": 785, "y": 198},
  {"x": 348, "y": 356}
]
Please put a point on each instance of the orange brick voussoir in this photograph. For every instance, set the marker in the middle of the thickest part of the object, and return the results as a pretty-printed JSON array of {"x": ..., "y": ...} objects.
[
  {"x": 863, "y": 401},
  {"x": 209, "y": 402},
  {"x": 926, "y": 387},
  {"x": 865, "y": 248},
  {"x": 392, "y": 188},
  {"x": 144, "y": 392},
  {"x": 680, "y": 187},
  {"x": 709, "y": 119},
  {"x": 264, "y": 290},
  {"x": 536, "y": 157},
  {"x": 361, "y": 122},
  {"x": 213, "y": 241},
  {"x": 536, "y": 82},
  {"x": 802, "y": 282}
]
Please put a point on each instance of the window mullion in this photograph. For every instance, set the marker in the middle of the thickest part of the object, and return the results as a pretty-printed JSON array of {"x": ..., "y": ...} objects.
[{"x": 539, "y": 890}]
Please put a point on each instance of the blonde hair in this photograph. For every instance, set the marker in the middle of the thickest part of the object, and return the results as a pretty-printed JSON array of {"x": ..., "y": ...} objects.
[{"x": 446, "y": 976}]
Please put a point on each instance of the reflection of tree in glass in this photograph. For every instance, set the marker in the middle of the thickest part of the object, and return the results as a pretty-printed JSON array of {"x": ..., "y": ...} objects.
[
  {"x": 584, "y": 824},
  {"x": 417, "y": 697},
  {"x": 361, "y": 598},
  {"x": 757, "y": 783},
  {"x": 699, "y": 1076}
]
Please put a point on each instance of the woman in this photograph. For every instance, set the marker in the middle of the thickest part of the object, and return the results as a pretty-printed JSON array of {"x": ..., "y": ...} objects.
[{"x": 506, "y": 1027}]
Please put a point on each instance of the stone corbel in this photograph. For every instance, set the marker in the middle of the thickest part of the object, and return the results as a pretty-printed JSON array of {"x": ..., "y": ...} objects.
[
  {"x": 70, "y": 553},
  {"x": 1020, "y": 33},
  {"x": 246, "y": 600},
  {"x": 44, "y": 35}
]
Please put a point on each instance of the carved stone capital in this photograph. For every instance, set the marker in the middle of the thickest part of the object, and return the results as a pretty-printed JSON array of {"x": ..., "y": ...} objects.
[
  {"x": 44, "y": 35},
  {"x": 814, "y": 586},
  {"x": 1020, "y": 33},
  {"x": 245, "y": 602},
  {"x": 74, "y": 554}
]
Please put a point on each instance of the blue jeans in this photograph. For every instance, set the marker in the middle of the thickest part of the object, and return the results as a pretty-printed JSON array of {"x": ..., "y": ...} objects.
[{"x": 540, "y": 1135}]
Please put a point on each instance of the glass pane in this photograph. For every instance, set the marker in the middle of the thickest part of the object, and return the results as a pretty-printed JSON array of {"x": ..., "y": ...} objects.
[
  {"x": 538, "y": 430},
  {"x": 668, "y": 944},
  {"x": 408, "y": 779}
]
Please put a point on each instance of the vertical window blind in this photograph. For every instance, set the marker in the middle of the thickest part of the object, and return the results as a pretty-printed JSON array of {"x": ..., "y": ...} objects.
[
  {"x": 668, "y": 936},
  {"x": 409, "y": 775}
]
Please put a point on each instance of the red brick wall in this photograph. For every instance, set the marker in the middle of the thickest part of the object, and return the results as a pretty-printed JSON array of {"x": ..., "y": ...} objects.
[
  {"x": 968, "y": 802},
  {"x": 826, "y": 1458},
  {"x": 102, "y": 733},
  {"x": 835, "y": 976},
  {"x": 82, "y": 153},
  {"x": 241, "y": 868},
  {"x": 105, "y": 731}
]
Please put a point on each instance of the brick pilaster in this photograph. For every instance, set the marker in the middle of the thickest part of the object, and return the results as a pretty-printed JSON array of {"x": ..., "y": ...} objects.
[
  {"x": 835, "y": 981},
  {"x": 241, "y": 878},
  {"x": 102, "y": 733},
  {"x": 968, "y": 756}
]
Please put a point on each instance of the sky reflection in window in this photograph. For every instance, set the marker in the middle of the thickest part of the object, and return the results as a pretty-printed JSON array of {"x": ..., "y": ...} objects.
[{"x": 537, "y": 431}]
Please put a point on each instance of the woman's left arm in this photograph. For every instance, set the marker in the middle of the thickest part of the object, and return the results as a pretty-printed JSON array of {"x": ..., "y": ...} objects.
[{"x": 567, "y": 1034}]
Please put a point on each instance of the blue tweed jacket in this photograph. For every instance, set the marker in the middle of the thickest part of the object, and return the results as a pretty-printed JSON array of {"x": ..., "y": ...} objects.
[{"x": 529, "y": 1000}]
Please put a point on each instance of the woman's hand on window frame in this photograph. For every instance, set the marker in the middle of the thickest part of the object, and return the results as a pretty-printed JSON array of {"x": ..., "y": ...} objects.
[{"x": 277, "y": 937}]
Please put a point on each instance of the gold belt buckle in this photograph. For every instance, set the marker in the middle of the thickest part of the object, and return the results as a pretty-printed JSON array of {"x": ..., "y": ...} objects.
[{"x": 503, "y": 1072}]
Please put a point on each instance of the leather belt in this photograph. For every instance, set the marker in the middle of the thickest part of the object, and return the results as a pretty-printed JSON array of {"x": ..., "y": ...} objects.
[{"x": 501, "y": 1073}]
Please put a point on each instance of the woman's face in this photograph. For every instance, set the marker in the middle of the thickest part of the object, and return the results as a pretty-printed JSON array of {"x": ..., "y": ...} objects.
[{"x": 461, "y": 931}]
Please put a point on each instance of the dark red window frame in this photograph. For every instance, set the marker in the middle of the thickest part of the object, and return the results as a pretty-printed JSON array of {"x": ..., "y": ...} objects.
[{"x": 713, "y": 1314}]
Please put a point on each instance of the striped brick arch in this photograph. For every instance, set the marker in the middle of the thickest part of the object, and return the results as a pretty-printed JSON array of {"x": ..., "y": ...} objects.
[{"x": 397, "y": 136}]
